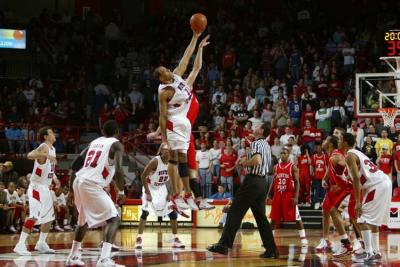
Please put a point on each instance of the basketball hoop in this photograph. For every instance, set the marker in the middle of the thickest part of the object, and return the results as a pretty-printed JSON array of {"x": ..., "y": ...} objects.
[{"x": 389, "y": 115}]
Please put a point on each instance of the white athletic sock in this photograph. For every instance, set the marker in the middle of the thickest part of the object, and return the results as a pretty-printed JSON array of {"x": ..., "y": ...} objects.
[
  {"x": 345, "y": 236},
  {"x": 105, "y": 250},
  {"x": 375, "y": 241},
  {"x": 75, "y": 248},
  {"x": 302, "y": 233},
  {"x": 42, "y": 237},
  {"x": 22, "y": 238},
  {"x": 366, "y": 234},
  {"x": 65, "y": 222},
  {"x": 174, "y": 236}
]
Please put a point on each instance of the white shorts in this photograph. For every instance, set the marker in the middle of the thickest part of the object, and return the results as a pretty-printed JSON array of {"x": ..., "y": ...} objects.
[
  {"x": 159, "y": 204},
  {"x": 40, "y": 203},
  {"x": 94, "y": 205},
  {"x": 376, "y": 204},
  {"x": 178, "y": 133}
]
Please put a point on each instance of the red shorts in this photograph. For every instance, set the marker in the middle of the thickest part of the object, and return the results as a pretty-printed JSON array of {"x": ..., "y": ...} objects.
[
  {"x": 282, "y": 208},
  {"x": 191, "y": 154},
  {"x": 352, "y": 201},
  {"x": 330, "y": 200}
]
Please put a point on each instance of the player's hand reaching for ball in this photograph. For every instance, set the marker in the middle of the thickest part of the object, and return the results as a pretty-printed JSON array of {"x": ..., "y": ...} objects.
[{"x": 204, "y": 42}]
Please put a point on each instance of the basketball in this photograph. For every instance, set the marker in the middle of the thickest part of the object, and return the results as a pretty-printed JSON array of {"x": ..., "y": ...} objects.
[
  {"x": 18, "y": 35},
  {"x": 198, "y": 22}
]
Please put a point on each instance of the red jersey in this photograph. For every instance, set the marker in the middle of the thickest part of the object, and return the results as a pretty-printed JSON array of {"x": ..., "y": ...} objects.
[
  {"x": 308, "y": 134},
  {"x": 396, "y": 155},
  {"x": 193, "y": 110},
  {"x": 304, "y": 163},
  {"x": 283, "y": 178},
  {"x": 318, "y": 135},
  {"x": 385, "y": 163},
  {"x": 228, "y": 161},
  {"x": 319, "y": 163},
  {"x": 308, "y": 115},
  {"x": 338, "y": 173}
]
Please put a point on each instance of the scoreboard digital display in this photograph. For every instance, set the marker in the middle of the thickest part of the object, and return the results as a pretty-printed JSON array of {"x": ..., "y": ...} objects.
[
  {"x": 392, "y": 43},
  {"x": 13, "y": 38}
]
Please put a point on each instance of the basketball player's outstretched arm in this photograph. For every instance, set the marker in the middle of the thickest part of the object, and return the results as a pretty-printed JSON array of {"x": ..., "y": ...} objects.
[
  {"x": 295, "y": 173},
  {"x": 181, "y": 68},
  {"x": 354, "y": 172},
  {"x": 40, "y": 154},
  {"x": 198, "y": 62},
  {"x": 117, "y": 151},
  {"x": 150, "y": 168}
]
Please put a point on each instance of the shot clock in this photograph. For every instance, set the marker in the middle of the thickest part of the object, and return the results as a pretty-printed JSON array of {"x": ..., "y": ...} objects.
[{"x": 392, "y": 43}]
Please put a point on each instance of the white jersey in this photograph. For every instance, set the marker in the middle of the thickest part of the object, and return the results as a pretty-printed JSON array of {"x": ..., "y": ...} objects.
[
  {"x": 98, "y": 167},
  {"x": 160, "y": 175},
  {"x": 60, "y": 200},
  {"x": 179, "y": 104},
  {"x": 12, "y": 198},
  {"x": 371, "y": 175},
  {"x": 43, "y": 173}
]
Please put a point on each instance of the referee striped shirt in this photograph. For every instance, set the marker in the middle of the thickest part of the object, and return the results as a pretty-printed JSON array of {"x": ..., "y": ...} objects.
[{"x": 262, "y": 148}]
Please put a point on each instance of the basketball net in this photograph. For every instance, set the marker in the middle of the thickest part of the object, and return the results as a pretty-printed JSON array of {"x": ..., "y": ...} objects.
[{"x": 389, "y": 115}]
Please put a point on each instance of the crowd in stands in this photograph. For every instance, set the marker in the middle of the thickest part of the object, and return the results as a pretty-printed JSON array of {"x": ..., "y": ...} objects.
[{"x": 292, "y": 66}]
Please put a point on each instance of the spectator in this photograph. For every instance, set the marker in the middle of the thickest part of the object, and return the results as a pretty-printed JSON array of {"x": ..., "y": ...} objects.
[
  {"x": 323, "y": 118},
  {"x": 14, "y": 136},
  {"x": 369, "y": 149},
  {"x": 3, "y": 208},
  {"x": 348, "y": 58},
  {"x": 370, "y": 131},
  {"x": 357, "y": 132},
  {"x": 281, "y": 112},
  {"x": 104, "y": 115},
  {"x": 222, "y": 95},
  {"x": 203, "y": 159},
  {"x": 384, "y": 141},
  {"x": 212, "y": 73},
  {"x": 385, "y": 160},
  {"x": 12, "y": 198},
  {"x": 241, "y": 115},
  {"x": 228, "y": 165},
  {"x": 284, "y": 140},
  {"x": 21, "y": 207},
  {"x": 7, "y": 174},
  {"x": 235, "y": 140},
  {"x": 222, "y": 195},
  {"x": 295, "y": 110},
  {"x": 308, "y": 114},
  {"x": 215, "y": 153},
  {"x": 338, "y": 115},
  {"x": 396, "y": 159},
  {"x": 274, "y": 91},
  {"x": 255, "y": 120},
  {"x": 309, "y": 135},
  {"x": 260, "y": 93},
  {"x": 268, "y": 114},
  {"x": 61, "y": 210},
  {"x": 295, "y": 149},
  {"x": 136, "y": 97},
  {"x": 276, "y": 147},
  {"x": 218, "y": 119}
]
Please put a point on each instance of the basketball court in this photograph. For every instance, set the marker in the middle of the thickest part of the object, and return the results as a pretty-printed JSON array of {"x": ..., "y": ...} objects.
[{"x": 157, "y": 249}]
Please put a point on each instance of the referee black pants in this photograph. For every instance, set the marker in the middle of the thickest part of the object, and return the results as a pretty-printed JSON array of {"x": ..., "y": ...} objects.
[{"x": 251, "y": 194}]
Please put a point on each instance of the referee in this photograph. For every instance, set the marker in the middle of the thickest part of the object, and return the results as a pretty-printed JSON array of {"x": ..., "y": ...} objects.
[{"x": 251, "y": 194}]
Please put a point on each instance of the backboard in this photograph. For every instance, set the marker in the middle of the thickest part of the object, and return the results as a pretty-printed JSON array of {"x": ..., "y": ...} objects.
[{"x": 378, "y": 90}]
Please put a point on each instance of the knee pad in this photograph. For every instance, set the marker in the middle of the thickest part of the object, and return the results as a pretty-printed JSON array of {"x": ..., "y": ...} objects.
[
  {"x": 183, "y": 170},
  {"x": 173, "y": 215},
  {"x": 144, "y": 215},
  {"x": 174, "y": 162},
  {"x": 29, "y": 223}
]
